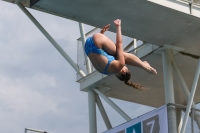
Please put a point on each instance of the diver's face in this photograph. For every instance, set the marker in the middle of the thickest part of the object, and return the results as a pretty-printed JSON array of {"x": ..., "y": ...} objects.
[{"x": 124, "y": 70}]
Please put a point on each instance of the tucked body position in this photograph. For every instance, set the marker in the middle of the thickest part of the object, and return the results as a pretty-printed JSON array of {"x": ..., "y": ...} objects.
[{"x": 109, "y": 58}]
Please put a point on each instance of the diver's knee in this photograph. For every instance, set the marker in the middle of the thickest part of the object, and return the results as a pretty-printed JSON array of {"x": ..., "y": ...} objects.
[
  {"x": 98, "y": 38},
  {"x": 97, "y": 35},
  {"x": 125, "y": 56}
]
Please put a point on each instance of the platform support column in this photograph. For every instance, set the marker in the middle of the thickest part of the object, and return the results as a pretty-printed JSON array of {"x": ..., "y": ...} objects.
[
  {"x": 192, "y": 120},
  {"x": 54, "y": 43},
  {"x": 169, "y": 90},
  {"x": 92, "y": 112},
  {"x": 179, "y": 120},
  {"x": 189, "y": 104}
]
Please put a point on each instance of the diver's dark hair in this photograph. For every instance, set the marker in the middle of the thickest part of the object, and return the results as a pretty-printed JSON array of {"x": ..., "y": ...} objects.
[{"x": 126, "y": 78}]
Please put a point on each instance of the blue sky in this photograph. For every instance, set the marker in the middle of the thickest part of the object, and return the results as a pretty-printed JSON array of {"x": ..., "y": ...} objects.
[{"x": 38, "y": 88}]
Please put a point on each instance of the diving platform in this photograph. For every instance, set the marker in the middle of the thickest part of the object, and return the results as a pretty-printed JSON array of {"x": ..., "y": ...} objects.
[
  {"x": 170, "y": 32},
  {"x": 158, "y": 22}
]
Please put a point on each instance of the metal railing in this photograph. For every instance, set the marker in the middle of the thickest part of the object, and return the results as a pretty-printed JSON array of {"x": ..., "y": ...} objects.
[
  {"x": 195, "y": 2},
  {"x": 34, "y": 130}
]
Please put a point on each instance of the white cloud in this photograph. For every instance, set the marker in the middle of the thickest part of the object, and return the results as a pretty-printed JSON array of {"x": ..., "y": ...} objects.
[{"x": 21, "y": 95}]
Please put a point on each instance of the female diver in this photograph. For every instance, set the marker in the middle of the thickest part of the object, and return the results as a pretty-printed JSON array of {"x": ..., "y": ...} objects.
[{"x": 109, "y": 58}]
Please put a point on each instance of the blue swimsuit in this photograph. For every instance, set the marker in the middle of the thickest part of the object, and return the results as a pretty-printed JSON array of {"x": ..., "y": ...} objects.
[{"x": 90, "y": 47}]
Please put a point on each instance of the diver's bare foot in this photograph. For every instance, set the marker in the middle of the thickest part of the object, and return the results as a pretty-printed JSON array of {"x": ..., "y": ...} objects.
[{"x": 149, "y": 69}]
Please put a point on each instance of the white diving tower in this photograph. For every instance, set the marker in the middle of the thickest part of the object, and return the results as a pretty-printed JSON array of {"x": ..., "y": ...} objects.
[{"x": 170, "y": 30}]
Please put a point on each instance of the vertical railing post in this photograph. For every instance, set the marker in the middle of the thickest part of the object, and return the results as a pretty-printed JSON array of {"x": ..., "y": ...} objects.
[
  {"x": 83, "y": 38},
  {"x": 135, "y": 45},
  {"x": 191, "y": 7},
  {"x": 169, "y": 90}
]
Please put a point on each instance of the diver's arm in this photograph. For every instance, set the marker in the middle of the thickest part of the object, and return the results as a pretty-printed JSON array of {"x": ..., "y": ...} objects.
[
  {"x": 105, "y": 28},
  {"x": 119, "y": 47},
  {"x": 118, "y": 64}
]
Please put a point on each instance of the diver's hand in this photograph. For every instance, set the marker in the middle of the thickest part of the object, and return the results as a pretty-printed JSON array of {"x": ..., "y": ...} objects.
[
  {"x": 105, "y": 28},
  {"x": 117, "y": 22}
]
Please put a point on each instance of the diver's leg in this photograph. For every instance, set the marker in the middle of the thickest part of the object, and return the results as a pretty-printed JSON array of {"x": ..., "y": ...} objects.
[
  {"x": 133, "y": 60},
  {"x": 103, "y": 42}
]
